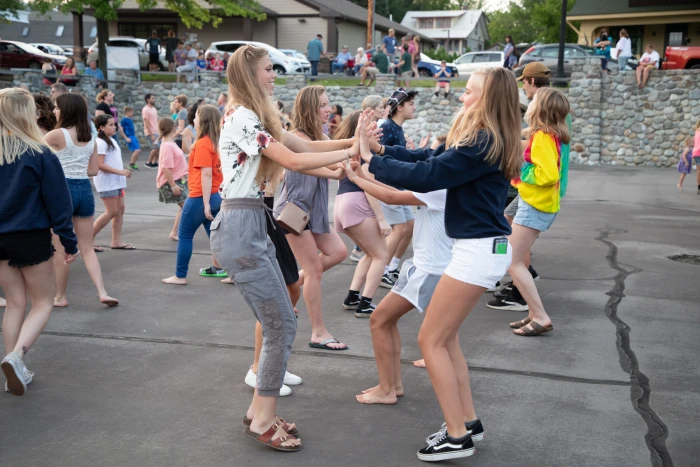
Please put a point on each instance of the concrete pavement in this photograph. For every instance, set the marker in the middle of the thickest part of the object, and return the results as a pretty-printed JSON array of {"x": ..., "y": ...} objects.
[{"x": 159, "y": 380}]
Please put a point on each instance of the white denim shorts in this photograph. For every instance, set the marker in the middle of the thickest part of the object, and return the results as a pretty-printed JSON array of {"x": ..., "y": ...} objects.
[{"x": 474, "y": 262}]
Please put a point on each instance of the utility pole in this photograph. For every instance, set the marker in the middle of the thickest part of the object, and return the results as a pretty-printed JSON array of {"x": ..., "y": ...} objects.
[
  {"x": 559, "y": 75},
  {"x": 370, "y": 23}
]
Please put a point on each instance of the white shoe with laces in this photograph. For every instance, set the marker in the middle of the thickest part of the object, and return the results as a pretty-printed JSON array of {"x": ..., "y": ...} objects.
[
  {"x": 251, "y": 380},
  {"x": 16, "y": 373}
]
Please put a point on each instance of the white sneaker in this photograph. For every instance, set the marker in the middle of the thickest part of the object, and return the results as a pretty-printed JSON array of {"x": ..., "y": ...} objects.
[
  {"x": 356, "y": 256},
  {"x": 28, "y": 377},
  {"x": 291, "y": 379},
  {"x": 251, "y": 380},
  {"x": 15, "y": 372}
]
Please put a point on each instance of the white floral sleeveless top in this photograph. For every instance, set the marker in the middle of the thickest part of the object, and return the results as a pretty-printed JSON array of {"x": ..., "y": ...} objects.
[{"x": 74, "y": 159}]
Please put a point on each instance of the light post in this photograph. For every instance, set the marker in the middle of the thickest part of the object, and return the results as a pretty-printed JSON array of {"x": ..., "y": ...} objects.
[
  {"x": 448, "y": 40},
  {"x": 559, "y": 75}
]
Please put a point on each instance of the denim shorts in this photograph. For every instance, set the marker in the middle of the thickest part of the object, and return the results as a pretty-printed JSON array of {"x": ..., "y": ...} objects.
[
  {"x": 528, "y": 216},
  {"x": 696, "y": 159},
  {"x": 81, "y": 196},
  {"x": 397, "y": 214}
]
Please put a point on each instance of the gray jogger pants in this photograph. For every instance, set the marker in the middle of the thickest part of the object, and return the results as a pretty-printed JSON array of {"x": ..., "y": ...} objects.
[{"x": 240, "y": 243}]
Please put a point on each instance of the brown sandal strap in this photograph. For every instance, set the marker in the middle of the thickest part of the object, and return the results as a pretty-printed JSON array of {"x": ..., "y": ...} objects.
[
  {"x": 533, "y": 328},
  {"x": 520, "y": 324}
]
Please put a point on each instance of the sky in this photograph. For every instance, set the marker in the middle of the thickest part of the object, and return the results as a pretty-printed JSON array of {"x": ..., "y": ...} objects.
[{"x": 491, "y": 5}]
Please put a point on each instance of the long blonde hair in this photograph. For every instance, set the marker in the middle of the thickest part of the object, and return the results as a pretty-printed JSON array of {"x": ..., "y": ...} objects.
[
  {"x": 372, "y": 102},
  {"x": 547, "y": 113},
  {"x": 19, "y": 131},
  {"x": 497, "y": 112},
  {"x": 244, "y": 90},
  {"x": 305, "y": 116},
  {"x": 209, "y": 124}
]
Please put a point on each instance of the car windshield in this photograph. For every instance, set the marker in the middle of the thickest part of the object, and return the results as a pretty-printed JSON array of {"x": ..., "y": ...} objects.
[
  {"x": 300, "y": 55},
  {"x": 30, "y": 49}
]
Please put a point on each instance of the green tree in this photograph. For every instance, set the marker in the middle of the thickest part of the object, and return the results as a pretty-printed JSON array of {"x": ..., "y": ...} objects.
[
  {"x": 193, "y": 13},
  {"x": 529, "y": 21}
]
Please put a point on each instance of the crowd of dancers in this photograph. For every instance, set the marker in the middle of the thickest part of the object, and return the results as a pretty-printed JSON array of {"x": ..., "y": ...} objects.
[{"x": 473, "y": 203}]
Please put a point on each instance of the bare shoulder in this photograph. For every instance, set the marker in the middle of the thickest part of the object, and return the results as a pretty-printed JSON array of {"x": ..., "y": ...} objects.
[
  {"x": 55, "y": 139},
  {"x": 301, "y": 135}
]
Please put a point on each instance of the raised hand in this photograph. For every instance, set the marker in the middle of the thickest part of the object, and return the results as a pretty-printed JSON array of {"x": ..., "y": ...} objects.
[
  {"x": 424, "y": 142},
  {"x": 364, "y": 139},
  {"x": 410, "y": 144}
]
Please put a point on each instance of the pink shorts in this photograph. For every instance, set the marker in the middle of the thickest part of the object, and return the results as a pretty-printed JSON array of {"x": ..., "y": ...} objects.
[
  {"x": 443, "y": 84},
  {"x": 350, "y": 210}
]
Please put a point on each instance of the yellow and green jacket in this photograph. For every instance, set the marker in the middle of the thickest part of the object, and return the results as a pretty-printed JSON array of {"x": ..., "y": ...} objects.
[{"x": 541, "y": 176}]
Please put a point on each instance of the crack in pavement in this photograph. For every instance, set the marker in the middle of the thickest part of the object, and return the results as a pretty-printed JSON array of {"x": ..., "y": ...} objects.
[
  {"x": 311, "y": 353},
  {"x": 640, "y": 389}
]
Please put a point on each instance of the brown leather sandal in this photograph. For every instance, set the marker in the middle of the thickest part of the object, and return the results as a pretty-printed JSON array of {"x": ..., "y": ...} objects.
[
  {"x": 533, "y": 328},
  {"x": 290, "y": 428},
  {"x": 267, "y": 438},
  {"x": 520, "y": 324}
]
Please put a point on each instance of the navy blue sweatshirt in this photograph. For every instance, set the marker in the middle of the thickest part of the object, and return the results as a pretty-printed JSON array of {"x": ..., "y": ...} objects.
[
  {"x": 476, "y": 190},
  {"x": 34, "y": 195}
]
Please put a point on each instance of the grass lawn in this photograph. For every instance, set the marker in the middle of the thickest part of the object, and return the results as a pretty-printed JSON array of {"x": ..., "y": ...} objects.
[{"x": 343, "y": 82}]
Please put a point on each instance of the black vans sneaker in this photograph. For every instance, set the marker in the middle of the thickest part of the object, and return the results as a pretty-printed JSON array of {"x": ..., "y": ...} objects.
[
  {"x": 365, "y": 308},
  {"x": 475, "y": 429},
  {"x": 352, "y": 300},
  {"x": 444, "y": 447},
  {"x": 388, "y": 281},
  {"x": 504, "y": 291},
  {"x": 513, "y": 302}
]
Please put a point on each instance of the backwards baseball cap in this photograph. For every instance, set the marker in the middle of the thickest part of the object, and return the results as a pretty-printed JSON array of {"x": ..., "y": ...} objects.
[
  {"x": 535, "y": 70},
  {"x": 400, "y": 96}
]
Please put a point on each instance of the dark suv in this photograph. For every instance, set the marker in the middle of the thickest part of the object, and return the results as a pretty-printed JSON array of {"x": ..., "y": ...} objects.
[{"x": 549, "y": 55}]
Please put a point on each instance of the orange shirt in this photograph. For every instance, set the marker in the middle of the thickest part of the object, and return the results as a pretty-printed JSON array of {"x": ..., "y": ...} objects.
[{"x": 204, "y": 155}]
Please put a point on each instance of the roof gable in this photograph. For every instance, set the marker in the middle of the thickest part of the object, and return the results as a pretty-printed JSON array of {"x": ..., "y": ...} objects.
[
  {"x": 609, "y": 7},
  {"x": 463, "y": 25}
]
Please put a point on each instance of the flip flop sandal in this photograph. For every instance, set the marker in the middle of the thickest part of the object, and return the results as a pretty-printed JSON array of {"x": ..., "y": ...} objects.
[
  {"x": 97, "y": 249},
  {"x": 324, "y": 345},
  {"x": 266, "y": 439},
  {"x": 533, "y": 328},
  {"x": 286, "y": 426},
  {"x": 520, "y": 324},
  {"x": 125, "y": 247}
]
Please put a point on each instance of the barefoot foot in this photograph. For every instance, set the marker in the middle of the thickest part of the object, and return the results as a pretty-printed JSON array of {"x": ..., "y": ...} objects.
[
  {"x": 109, "y": 301},
  {"x": 398, "y": 390},
  {"x": 419, "y": 363},
  {"x": 174, "y": 280},
  {"x": 60, "y": 302},
  {"x": 377, "y": 396},
  {"x": 228, "y": 280},
  {"x": 174, "y": 238}
]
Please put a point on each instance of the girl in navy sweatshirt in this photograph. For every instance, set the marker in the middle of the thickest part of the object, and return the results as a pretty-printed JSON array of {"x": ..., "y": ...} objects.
[
  {"x": 480, "y": 157},
  {"x": 34, "y": 199}
]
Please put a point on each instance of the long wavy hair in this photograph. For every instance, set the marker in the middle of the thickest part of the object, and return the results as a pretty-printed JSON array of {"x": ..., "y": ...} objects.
[
  {"x": 209, "y": 124},
  {"x": 244, "y": 90},
  {"x": 547, "y": 113},
  {"x": 18, "y": 129},
  {"x": 44, "y": 110},
  {"x": 497, "y": 112},
  {"x": 100, "y": 122},
  {"x": 305, "y": 116}
]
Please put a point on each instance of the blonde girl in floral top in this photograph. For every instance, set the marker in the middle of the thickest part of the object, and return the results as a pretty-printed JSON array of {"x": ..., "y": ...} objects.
[{"x": 254, "y": 149}]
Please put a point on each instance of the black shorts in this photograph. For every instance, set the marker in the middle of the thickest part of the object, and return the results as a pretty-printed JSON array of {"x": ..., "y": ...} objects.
[
  {"x": 28, "y": 248},
  {"x": 153, "y": 59}
]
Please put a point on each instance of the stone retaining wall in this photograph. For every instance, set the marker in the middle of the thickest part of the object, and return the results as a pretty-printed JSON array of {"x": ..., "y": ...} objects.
[
  {"x": 613, "y": 122},
  {"x": 617, "y": 123}
]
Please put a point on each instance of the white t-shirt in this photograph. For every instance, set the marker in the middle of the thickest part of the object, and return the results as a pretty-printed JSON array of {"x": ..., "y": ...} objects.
[
  {"x": 647, "y": 58},
  {"x": 624, "y": 47},
  {"x": 113, "y": 158},
  {"x": 432, "y": 248},
  {"x": 242, "y": 138}
]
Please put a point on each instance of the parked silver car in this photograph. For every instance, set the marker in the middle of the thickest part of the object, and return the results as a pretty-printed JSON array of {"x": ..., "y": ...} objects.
[
  {"x": 52, "y": 49},
  {"x": 472, "y": 61},
  {"x": 281, "y": 63},
  {"x": 126, "y": 41},
  {"x": 549, "y": 55}
]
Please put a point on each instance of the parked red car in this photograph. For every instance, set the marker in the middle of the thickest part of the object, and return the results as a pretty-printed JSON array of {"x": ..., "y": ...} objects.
[
  {"x": 20, "y": 55},
  {"x": 681, "y": 58}
]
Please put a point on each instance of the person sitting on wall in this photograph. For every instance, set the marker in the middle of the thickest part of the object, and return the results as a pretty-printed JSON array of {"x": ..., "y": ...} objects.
[
  {"x": 96, "y": 73},
  {"x": 443, "y": 76},
  {"x": 649, "y": 61},
  {"x": 378, "y": 64},
  {"x": 341, "y": 61}
]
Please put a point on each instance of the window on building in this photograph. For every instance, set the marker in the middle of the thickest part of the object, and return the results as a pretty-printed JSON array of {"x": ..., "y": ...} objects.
[
  {"x": 675, "y": 39},
  {"x": 426, "y": 23},
  {"x": 93, "y": 31},
  {"x": 143, "y": 30},
  {"x": 59, "y": 31},
  {"x": 443, "y": 23},
  {"x": 25, "y": 32}
]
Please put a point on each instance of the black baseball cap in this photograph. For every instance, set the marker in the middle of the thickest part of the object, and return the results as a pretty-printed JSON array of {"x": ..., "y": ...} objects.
[{"x": 399, "y": 96}]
